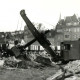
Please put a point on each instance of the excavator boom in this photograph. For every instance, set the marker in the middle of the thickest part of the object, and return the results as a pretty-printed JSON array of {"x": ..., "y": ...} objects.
[{"x": 38, "y": 36}]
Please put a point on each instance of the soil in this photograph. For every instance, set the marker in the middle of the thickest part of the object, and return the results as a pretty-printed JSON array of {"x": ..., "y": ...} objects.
[{"x": 27, "y": 74}]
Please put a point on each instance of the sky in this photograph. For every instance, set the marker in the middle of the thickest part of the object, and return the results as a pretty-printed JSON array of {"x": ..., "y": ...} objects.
[{"x": 41, "y": 11}]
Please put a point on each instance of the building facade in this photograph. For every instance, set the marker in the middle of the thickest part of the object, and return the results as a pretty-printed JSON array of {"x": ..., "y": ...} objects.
[{"x": 67, "y": 29}]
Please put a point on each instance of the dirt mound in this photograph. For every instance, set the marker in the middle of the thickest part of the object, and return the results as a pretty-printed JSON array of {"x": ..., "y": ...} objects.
[
  {"x": 29, "y": 64},
  {"x": 43, "y": 60}
]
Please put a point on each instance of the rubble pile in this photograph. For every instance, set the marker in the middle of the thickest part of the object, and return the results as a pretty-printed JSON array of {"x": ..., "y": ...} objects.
[
  {"x": 39, "y": 62},
  {"x": 21, "y": 64},
  {"x": 28, "y": 64},
  {"x": 9, "y": 63},
  {"x": 70, "y": 71},
  {"x": 73, "y": 69},
  {"x": 73, "y": 66},
  {"x": 43, "y": 60}
]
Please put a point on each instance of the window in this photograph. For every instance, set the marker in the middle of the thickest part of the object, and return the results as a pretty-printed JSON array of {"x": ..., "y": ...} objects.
[
  {"x": 75, "y": 29},
  {"x": 67, "y": 46},
  {"x": 66, "y": 36},
  {"x": 59, "y": 30}
]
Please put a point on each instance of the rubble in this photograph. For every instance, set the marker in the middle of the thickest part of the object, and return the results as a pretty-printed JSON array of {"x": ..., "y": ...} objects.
[
  {"x": 40, "y": 62},
  {"x": 43, "y": 60},
  {"x": 42, "y": 69},
  {"x": 73, "y": 66},
  {"x": 72, "y": 70},
  {"x": 28, "y": 64},
  {"x": 56, "y": 75},
  {"x": 1, "y": 63}
]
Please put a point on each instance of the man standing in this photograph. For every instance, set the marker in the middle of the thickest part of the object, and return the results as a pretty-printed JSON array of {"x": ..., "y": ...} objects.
[{"x": 16, "y": 49}]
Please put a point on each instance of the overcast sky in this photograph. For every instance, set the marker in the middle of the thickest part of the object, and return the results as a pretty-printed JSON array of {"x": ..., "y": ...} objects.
[{"x": 46, "y": 11}]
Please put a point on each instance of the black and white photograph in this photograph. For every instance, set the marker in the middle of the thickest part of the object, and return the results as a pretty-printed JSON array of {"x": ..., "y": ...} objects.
[{"x": 39, "y": 39}]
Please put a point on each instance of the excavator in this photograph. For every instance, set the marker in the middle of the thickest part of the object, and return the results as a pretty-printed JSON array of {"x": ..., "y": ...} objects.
[
  {"x": 67, "y": 47},
  {"x": 70, "y": 50},
  {"x": 40, "y": 37}
]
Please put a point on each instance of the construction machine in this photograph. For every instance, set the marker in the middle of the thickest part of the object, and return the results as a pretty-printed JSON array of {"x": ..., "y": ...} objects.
[{"x": 40, "y": 37}]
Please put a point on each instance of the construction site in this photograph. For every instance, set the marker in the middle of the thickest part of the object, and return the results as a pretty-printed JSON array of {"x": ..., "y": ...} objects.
[{"x": 20, "y": 63}]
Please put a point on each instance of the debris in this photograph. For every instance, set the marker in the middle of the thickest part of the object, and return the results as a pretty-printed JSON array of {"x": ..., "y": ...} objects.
[
  {"x": 71, "y": 78},
  {"x": 1, "y": 63},
  {"x": 10, "y": 63},
  {"x": 43, "y": 60},
  {"x": 58, "y": 74},
  {"x": 73, "y": 66},
  {"x": 28, "y": 64},
  {"x": 72, "y": 69}
]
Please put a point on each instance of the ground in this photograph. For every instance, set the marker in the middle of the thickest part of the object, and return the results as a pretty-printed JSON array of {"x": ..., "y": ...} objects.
[{"x": 27, "y": 74}]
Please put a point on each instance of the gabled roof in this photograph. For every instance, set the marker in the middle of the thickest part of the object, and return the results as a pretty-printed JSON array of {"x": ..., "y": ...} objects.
[
  {"x": 74, "y": 18},
  {"x": 70, "y": 19},
  {"x": 60, "y": 26}
]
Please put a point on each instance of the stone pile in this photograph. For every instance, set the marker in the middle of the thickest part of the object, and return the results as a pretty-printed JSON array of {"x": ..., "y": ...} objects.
[
  {"x": 73, "y": 66},
  {"x": 39, "y": 62},
  {"x": 70, "y": 71},
  {"x": 21, "y": 64},
  {"x": 73, "y": 69}
]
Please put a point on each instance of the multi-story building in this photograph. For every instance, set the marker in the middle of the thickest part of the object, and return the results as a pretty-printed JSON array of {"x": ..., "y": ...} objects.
[{"x": 67, "y": 29}]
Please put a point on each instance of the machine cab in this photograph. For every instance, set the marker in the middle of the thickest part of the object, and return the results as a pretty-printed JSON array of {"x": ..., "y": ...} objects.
[{"x": 70, "y": 50}]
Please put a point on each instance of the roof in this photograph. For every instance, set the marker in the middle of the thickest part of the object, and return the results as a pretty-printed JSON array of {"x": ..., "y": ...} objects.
[
  {"x": 73, "y": 18},
  {"x": 60, "y": 26},
  {"x": 68, "y": 19}
]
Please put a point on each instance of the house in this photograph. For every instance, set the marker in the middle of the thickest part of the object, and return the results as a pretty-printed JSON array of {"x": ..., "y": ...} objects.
[{"x": 67, "y": 29}]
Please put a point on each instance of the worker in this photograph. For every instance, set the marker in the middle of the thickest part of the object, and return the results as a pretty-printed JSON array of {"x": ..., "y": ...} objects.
[
  {"x": 15, "y": 48},
  {"x": 18, "y": 50}
]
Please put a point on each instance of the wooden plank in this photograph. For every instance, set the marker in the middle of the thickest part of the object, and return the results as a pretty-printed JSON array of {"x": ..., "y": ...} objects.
[{"x": 58, "y": 74}]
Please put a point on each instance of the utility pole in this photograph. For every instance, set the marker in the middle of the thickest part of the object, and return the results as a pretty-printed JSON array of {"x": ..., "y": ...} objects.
[{"x": 5, "y": 38}]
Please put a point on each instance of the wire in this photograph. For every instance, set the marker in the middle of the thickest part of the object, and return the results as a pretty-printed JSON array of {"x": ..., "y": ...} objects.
[
  {"x": 17, "y": 25},
  {"x": 21, "y": 24}
]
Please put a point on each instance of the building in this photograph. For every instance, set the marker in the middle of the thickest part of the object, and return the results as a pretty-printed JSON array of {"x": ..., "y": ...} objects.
[{"x": 67, "y": 29}]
